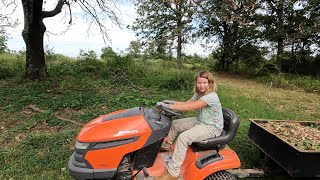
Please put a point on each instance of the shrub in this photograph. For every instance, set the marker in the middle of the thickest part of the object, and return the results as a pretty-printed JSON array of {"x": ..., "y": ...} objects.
[
  {"x": 120, "y": 67},
  {"x": 77, "y": 68},
  {"x": 10, "y": 66},
  {"x": 176, "y": 80},
  {"x": 268, "y": 68},
  {"x": 308, "y": 83}
]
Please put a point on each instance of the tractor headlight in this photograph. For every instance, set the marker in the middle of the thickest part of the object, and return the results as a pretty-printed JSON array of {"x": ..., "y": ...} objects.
[{"x": 80, "y": 145}]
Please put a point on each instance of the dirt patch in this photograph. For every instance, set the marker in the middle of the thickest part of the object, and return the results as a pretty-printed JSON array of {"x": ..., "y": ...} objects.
[{"x": 304, "y": 136}]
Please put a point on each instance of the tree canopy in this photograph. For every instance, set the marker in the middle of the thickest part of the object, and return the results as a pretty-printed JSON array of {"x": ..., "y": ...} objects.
[{"x": 165, "y": 23}]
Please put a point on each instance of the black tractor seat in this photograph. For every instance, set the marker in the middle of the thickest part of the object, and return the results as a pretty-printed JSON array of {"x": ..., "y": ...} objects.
[{"x": 231, "y": 125}]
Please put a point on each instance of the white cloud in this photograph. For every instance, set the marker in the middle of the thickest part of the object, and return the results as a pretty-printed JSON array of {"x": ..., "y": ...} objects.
[{"x": 78, "y": 37}]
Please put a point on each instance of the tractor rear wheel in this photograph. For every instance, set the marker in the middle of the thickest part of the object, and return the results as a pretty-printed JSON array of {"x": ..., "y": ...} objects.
[{"x": 220, "y": 175}]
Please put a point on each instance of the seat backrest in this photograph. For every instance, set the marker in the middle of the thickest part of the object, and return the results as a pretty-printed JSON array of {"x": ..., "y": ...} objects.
[{"x": 231, "y": 125}]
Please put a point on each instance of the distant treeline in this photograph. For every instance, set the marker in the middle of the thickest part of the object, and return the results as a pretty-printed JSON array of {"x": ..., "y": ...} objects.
[{"x": 253, "y": 35}]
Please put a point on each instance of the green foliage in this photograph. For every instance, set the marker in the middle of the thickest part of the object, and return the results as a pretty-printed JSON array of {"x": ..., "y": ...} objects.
[
  {"x": 49, "y": 54},
  {"x": 121, "y": 67},
  {"x": 21, "y": 55},
  {"x": 108, "y": 53},
  {"x": 125, "y": 101},
  {"x": 74, "y": 68},
  {"x": 268, "y": 68},
  {"x": 164, "y": 25},
  {"x": 308, "y": 83},
  {"x": 10, "y": 66},
  {"x": 300, "y": 64},
  {"x": 41, "y": 156},
  {"x": 3, "y": 45},
  {"x": 90, "y": 55},
  {"x": 177, "y": 81},
  {"x": 290, "y": 27},
  {"x": 158, "y": 48},
  {"x": 134, "y": 49},
  {"x": 227, "y": 22}
]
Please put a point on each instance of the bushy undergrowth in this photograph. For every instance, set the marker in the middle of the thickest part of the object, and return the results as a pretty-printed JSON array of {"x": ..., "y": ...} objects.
[
  {"x": 289, "y": 81},
  {"x": 162, "y": 74},
  {"x": 10, "y": 66}
]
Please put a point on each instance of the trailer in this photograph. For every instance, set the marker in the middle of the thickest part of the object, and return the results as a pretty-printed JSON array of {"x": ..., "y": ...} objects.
[{"x": 296, "y": 162}]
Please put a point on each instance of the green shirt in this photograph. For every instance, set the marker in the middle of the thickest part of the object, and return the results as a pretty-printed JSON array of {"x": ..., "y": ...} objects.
[{"x": 211, "y": 115}]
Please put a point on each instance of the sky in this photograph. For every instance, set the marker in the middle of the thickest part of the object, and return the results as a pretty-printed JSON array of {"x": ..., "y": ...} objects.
[{"x": 69, "y": 41}]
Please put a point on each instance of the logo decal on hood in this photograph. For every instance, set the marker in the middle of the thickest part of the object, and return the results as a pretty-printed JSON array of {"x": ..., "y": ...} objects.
[{"x": 127, "y": 132}]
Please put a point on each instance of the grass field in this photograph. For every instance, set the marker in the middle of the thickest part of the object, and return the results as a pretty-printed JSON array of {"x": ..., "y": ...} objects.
[{"x": 36, "y": 141}]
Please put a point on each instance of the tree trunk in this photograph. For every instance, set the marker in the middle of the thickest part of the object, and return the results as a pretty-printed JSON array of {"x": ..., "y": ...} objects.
[
  {"x": 280, "y": 52},
  {"x": 179, "y": 51},
  {"x": 33, "y": 33},
  {"x": 179, "y": 35},
  {"x": 280, "y": 40}
]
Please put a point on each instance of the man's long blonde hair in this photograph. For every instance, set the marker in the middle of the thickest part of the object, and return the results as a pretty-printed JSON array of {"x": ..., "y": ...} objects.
[{"x": 207, "y": 75}]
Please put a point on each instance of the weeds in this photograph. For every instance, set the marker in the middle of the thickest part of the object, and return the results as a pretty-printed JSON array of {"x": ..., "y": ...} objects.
[{"x": 288, "y": 81}]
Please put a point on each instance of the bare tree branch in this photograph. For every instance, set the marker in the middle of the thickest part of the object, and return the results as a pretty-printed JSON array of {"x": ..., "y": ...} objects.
[
  {"x": 70, "y": 12},
  {"x": 7, "y": 4},
  {"x": 100, "y": 11},
  {"x": 55, "y": 11}
]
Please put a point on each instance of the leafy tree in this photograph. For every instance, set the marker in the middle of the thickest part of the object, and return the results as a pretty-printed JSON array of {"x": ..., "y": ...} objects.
[
  {"x": 304, "y": 32},
  {"x": 230, "y": 23},
  {"x": 166, "y": 22},
  {"x": 108, "y": 53},
  {"x": 291, "y": 24},
  {"x": 159, "y": 48},
  {"x": 134, "y": 49},
  {"x": 34, "y": 28},
  {"x": 3, "y": 45},
  {"x": 90, "y": 55},
  {"x": 273, "y": 21}
]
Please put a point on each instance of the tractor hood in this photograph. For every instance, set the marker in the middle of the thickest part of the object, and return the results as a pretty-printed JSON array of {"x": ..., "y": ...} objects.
[{"x": 114, "y": 126}]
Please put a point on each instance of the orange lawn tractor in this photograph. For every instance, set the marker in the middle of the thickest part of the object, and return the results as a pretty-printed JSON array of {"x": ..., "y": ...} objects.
[{"x": 125, "y": 145}]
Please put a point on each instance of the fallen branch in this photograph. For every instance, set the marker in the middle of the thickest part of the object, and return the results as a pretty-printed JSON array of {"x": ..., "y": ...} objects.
[
  {"x": 68, "y": 120},
  {"x": 35, "y": 108}
]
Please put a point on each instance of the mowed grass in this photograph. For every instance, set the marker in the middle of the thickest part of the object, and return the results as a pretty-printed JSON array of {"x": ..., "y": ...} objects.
[{"x": 37, "y": 145}]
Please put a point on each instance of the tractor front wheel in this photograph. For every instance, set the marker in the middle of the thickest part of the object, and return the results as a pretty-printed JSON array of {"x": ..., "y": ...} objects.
[{"x": 221, "y": 175}]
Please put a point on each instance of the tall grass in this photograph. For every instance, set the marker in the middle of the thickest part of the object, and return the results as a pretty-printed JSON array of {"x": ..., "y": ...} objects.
[
  {"x": 10, "y": 66},
  {"x": 290, "y": 81}
]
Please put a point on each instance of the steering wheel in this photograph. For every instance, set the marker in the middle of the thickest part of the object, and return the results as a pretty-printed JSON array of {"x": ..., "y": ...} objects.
[{"x": 170, "y": 112}]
